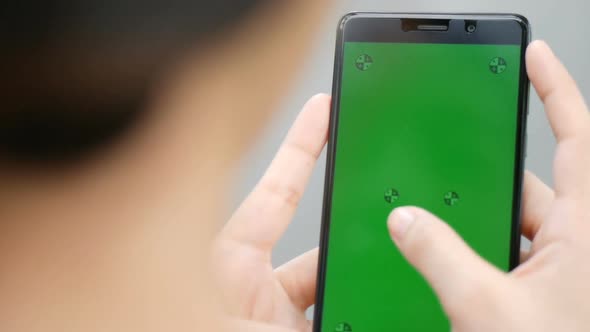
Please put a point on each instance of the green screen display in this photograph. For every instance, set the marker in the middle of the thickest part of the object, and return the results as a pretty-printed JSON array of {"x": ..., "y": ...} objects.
[{"x": 431, "y": 125}]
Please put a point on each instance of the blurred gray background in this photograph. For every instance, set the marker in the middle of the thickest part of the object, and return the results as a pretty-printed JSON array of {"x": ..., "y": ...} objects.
[{"x": 562, "y": 24}]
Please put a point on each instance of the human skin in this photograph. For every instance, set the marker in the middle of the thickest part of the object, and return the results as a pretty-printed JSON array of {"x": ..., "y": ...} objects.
[
  {"x": 120, "y": 241},
  {"x": 549, "y": 290},
  {"x": 253, "y": 291}
]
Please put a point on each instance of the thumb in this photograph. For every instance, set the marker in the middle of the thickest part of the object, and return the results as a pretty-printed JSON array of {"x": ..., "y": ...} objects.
[{"x": 456, "y": 273}]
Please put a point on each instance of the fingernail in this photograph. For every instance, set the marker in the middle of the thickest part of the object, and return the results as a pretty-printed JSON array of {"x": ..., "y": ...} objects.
[{"x": 399, "y": 222}]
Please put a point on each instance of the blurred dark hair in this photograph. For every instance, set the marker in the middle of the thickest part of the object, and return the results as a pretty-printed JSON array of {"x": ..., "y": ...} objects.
[{"x": 76, "y": 73}]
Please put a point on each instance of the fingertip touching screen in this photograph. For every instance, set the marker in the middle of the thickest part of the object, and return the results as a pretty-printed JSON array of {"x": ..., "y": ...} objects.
[{"x": 429, "y": 124}]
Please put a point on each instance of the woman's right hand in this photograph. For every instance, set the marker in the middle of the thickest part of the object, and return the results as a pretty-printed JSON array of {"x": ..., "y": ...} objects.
[{"x": 550, "y": 290}]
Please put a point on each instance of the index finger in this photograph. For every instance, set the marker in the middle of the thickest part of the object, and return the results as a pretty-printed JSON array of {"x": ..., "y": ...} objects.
[
  {"x": 568, "y": 116},
  {"x": 267, "y": 211}
]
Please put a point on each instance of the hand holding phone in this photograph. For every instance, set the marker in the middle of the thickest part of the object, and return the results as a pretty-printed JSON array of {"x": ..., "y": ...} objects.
[
  {"x": 549, "y": 291},
  {"x": 428, "y": 110}
]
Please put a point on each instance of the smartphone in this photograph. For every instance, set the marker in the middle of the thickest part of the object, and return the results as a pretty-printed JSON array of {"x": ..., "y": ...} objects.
[{"x": 428, "y": 110}]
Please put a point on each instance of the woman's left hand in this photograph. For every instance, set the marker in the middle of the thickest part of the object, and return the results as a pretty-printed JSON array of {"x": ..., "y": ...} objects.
[{"x": 257, "y": 296}]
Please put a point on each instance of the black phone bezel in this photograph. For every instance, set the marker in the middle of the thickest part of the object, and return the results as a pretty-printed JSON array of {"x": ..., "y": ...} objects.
[{"x": 374, "y": 27}]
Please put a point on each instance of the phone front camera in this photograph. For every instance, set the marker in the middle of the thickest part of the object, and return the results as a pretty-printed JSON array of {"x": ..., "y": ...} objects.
[{"x": 470, "y": 26}]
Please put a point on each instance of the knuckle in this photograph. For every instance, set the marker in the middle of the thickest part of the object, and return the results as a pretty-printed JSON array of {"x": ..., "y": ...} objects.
[
  {"x": 306, "y": 151},
  {"x": 286, "y": 193}
]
